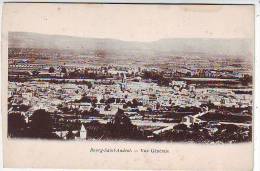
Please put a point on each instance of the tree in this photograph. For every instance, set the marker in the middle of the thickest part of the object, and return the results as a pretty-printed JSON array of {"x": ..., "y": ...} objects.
[
  {"x": 16, "y": 124},
  {"x": 181, "y": 127},
  {"x": 188, "y": 74},
  {"x": 158, "y": 105},
  {"x": 94, "y": 101},
  {"x": 149, "y": 110},
  {"x": 41, "y": 124},
  {"x": 111, "y": 100},
  {"x": 89, "y": 84},
  {"x": 121, "y": 125},
  {"x": 129, "y": 104},
  {"x": 85, "y": 98},
  {"x": 107, "y": 107},
  {"x": 63, "y": 70},
  {"x": 122, "y": 119},
  {"x": 21, "y": 108},
  {"x": 93, "y": 112},
  {"x": 247, "y": 79},
  {"x": 51, "y": 70},
  {"x": 102, "y": 101},
  {"x": 135, "y": 103},
  {"x": 70, "y": 134},
  {"x": 35, "y": 72},
  {"x": 85, "y": 113},
  {"x": 117, "y": 100}
]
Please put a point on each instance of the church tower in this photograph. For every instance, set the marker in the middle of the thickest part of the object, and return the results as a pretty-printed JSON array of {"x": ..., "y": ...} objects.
[
  {"x": 83, "y": 133},
  {"x": 123, "y": 83}
]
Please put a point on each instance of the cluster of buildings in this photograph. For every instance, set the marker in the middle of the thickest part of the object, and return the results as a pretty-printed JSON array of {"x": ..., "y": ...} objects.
[
  {"x": 141, "y": 99},
  {"x": 86, "y": 93}
]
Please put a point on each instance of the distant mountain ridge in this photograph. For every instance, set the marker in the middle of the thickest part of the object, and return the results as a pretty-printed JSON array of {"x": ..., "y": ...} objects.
[{"x": 110, "y": 47}]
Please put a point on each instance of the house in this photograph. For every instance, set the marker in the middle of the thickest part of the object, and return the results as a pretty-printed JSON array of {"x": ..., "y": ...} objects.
[{"x": 190, "y": 120}]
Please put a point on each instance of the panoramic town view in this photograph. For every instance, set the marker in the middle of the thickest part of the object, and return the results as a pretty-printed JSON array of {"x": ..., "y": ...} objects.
[{"x": 116, "y": 90}]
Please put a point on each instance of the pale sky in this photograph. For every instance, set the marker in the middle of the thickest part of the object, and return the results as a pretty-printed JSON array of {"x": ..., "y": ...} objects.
[{"x": 132, "y": 22}]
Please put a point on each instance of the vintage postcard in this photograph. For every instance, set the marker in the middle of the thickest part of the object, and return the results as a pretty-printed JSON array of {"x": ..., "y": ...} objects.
[{"x": 128, "y": 86}]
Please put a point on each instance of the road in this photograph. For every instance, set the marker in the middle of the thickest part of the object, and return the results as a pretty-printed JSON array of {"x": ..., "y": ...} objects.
[{"x": 237, "y": 124}]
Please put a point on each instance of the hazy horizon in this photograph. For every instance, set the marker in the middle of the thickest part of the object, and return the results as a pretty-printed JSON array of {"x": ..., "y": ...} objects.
[
  {"x": 137, "y": 41},
  {"x": 168, "y": 46},
  {"x": 136, "y": 22}
]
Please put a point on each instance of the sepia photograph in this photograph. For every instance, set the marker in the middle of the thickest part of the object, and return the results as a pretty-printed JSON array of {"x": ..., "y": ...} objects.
[
  {"x": 170, "y": 89},
  {"x": 130, "y": 72}
]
